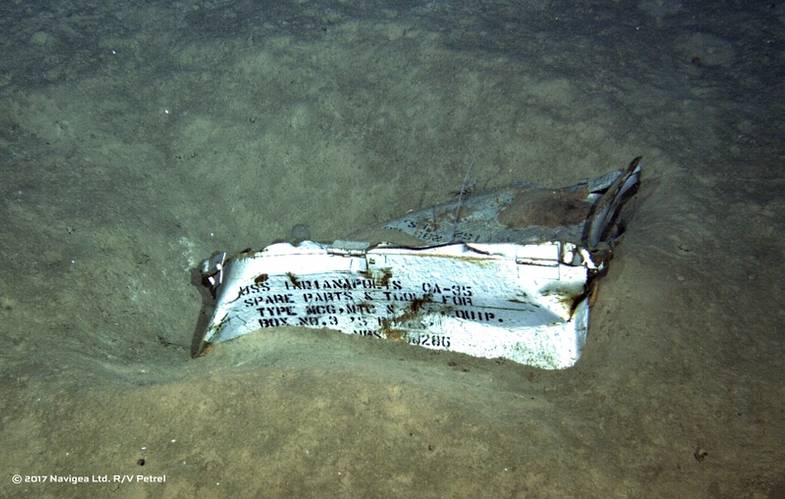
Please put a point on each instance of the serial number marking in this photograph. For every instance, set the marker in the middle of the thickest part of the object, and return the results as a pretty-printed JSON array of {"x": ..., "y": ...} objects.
[{"x": 429, "y": 340}]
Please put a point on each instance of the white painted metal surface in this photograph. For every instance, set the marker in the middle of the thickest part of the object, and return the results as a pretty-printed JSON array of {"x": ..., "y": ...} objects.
[{"x": 520, "y": 302}]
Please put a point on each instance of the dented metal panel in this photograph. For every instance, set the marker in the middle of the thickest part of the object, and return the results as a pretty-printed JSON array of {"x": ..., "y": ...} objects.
[{"x": 502, "y": 274}]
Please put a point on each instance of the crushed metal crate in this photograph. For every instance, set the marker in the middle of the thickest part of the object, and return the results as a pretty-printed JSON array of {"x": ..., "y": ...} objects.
[{"x": 501, "y": 274}]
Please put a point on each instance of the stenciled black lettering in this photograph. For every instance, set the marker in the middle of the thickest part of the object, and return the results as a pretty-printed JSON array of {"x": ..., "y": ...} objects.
[
  {"x": 308, "y": 321},
  {"x": 301, "y": 284},
  {"x": 360, "y": 308},
  {"x": 276, "y": 311},
  {"x": 474, "y": 315},
  {"x": 274, "y": 322},
  {"x": 254, "y": 288},
  {"x": 327, "y": 297},
  {"x": 320, "y": 309}
]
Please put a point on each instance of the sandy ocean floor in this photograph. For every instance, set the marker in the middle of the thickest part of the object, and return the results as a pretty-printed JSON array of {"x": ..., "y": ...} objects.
[{"x": 137, "y": 138}]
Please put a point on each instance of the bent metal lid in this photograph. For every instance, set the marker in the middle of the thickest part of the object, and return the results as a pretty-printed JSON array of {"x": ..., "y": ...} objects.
[{"x": 501, "y": 289}]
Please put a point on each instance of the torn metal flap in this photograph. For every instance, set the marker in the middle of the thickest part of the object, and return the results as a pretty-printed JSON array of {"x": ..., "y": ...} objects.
[{"x": 583, "y": 214}]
